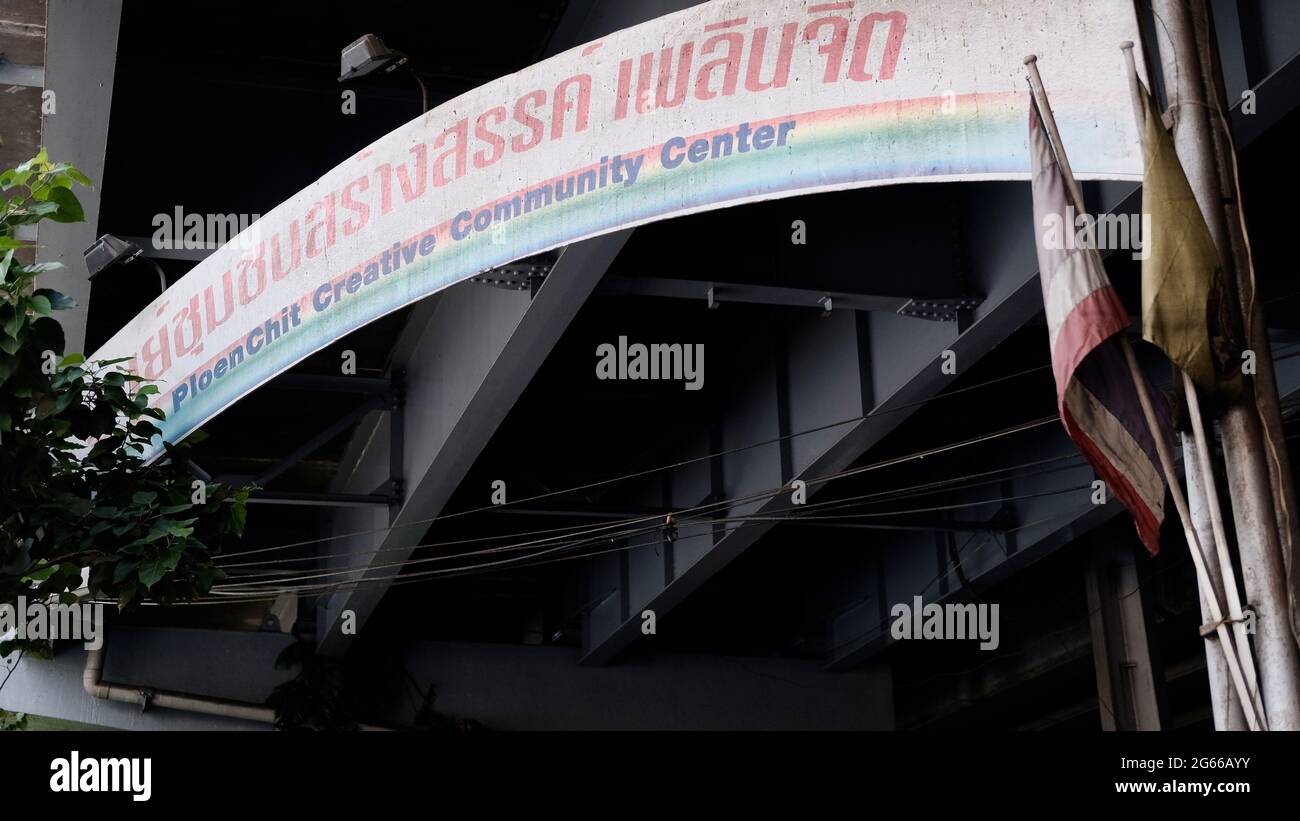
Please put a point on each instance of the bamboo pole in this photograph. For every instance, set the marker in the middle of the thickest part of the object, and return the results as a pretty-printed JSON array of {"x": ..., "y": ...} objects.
[
  {"x": 1229, "y": 576},
  {"x": 1201, "y": 451},
  {"x": 1162, "y": 447},
  {"x": 1254, "y": 448},
  {"x": 1225, "y": 704}
]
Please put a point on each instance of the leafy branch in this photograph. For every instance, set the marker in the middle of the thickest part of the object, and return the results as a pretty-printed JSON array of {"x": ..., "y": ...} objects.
[{"x": 77, "y": 493}]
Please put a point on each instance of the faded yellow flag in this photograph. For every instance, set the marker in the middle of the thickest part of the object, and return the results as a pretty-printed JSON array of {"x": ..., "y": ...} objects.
[{"x": 1183, "y": 312}]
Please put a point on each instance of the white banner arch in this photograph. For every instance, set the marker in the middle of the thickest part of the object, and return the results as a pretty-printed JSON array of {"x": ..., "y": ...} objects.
[{"x": 725, "y": 103}]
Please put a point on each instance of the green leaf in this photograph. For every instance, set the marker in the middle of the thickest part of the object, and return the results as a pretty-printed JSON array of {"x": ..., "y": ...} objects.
[
  {"x": 79, "y": 177},
  {"x": 143, "y": 497},
  {"x": 151, "y": 574},
  {"x": 14, "y": 324},
  {"x": 6, "y": 243},
  {"x": 69, "y": 207},
  {"x": 72, "y": 358},
  {"x": 124, "y": 570},
  {"x": 60, "y": 302},
  {"x": 18, "y": 176},
  {"x": 128, "y": 595},
  {"x": 135, "y": 548},
  {"x": 65, "y": 399},
  {"x": 39, "y": 304},
  {"x": 79, "y": 507},
  {"x": 41, "y": 160},
  {"x": 42, "y": 574}
]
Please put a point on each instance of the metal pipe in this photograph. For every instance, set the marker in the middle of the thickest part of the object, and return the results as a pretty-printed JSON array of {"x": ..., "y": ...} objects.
[{"x": 144, "y": 697}]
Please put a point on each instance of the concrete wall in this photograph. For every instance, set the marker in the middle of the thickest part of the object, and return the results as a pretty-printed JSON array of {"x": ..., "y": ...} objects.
[
  {"x": 239, "y": 666},
  {"x": 502, "y": 686},
  {"x": 511, "y": 687}
]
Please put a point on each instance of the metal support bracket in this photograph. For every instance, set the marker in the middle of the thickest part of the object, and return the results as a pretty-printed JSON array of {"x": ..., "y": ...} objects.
[
  {"x": 515, "y": 276},
  {"x": 939, "y": 310}
]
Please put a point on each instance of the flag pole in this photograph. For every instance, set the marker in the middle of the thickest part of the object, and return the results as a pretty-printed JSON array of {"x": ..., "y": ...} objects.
[
  {"x": 1200, "y": 440},
  {"x": 1254, "y": 446},
  {"x": 1229, "y": 576},
  {"x": 1162, "y": 447}
]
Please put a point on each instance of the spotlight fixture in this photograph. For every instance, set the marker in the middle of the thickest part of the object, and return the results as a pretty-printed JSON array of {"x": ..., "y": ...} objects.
[
  {"x": 368, "y": 54},
  {"x": 109, "y": 250}
]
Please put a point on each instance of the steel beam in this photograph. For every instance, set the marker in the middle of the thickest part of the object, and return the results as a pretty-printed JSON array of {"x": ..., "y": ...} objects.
[
  {"x": 280, "y": 497},
  {"x": 716, "y": 294},
  {"x": 1276, "y": 96},
  {"x": 902, "y": 366},
  {"x": 468, "y": 354},
  {"x": 333, "y": 384},
  {"x": 860, "y": 630}
]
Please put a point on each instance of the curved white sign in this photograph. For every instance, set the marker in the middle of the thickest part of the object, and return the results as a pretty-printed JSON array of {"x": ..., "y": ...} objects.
[{"x": 720, "y": 104}]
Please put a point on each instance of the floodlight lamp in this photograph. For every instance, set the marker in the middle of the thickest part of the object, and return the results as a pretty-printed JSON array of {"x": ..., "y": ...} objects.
[
  {"x": 366, "y": 55},
  {"x": 107, "y": 251}
]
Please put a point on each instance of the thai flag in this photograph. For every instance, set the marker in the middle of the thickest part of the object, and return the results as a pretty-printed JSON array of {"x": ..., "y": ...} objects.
[{"x": 1094, "y": 387}]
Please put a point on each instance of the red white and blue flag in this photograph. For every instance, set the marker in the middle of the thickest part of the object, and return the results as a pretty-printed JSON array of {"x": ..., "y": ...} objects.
[{"x": 1094, "y": 388}]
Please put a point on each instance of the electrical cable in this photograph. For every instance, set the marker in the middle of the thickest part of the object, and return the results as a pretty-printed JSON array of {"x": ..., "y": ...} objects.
[
  {"x": 761, "y": 495},
  {"x": 649, "y": 471},
  {"x": 925, "y": 489},
  {"x": 749, "y": 519}
]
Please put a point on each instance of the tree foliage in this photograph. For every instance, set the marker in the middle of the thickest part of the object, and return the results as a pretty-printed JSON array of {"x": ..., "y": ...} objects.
[{"x": 77, "y": 493}]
